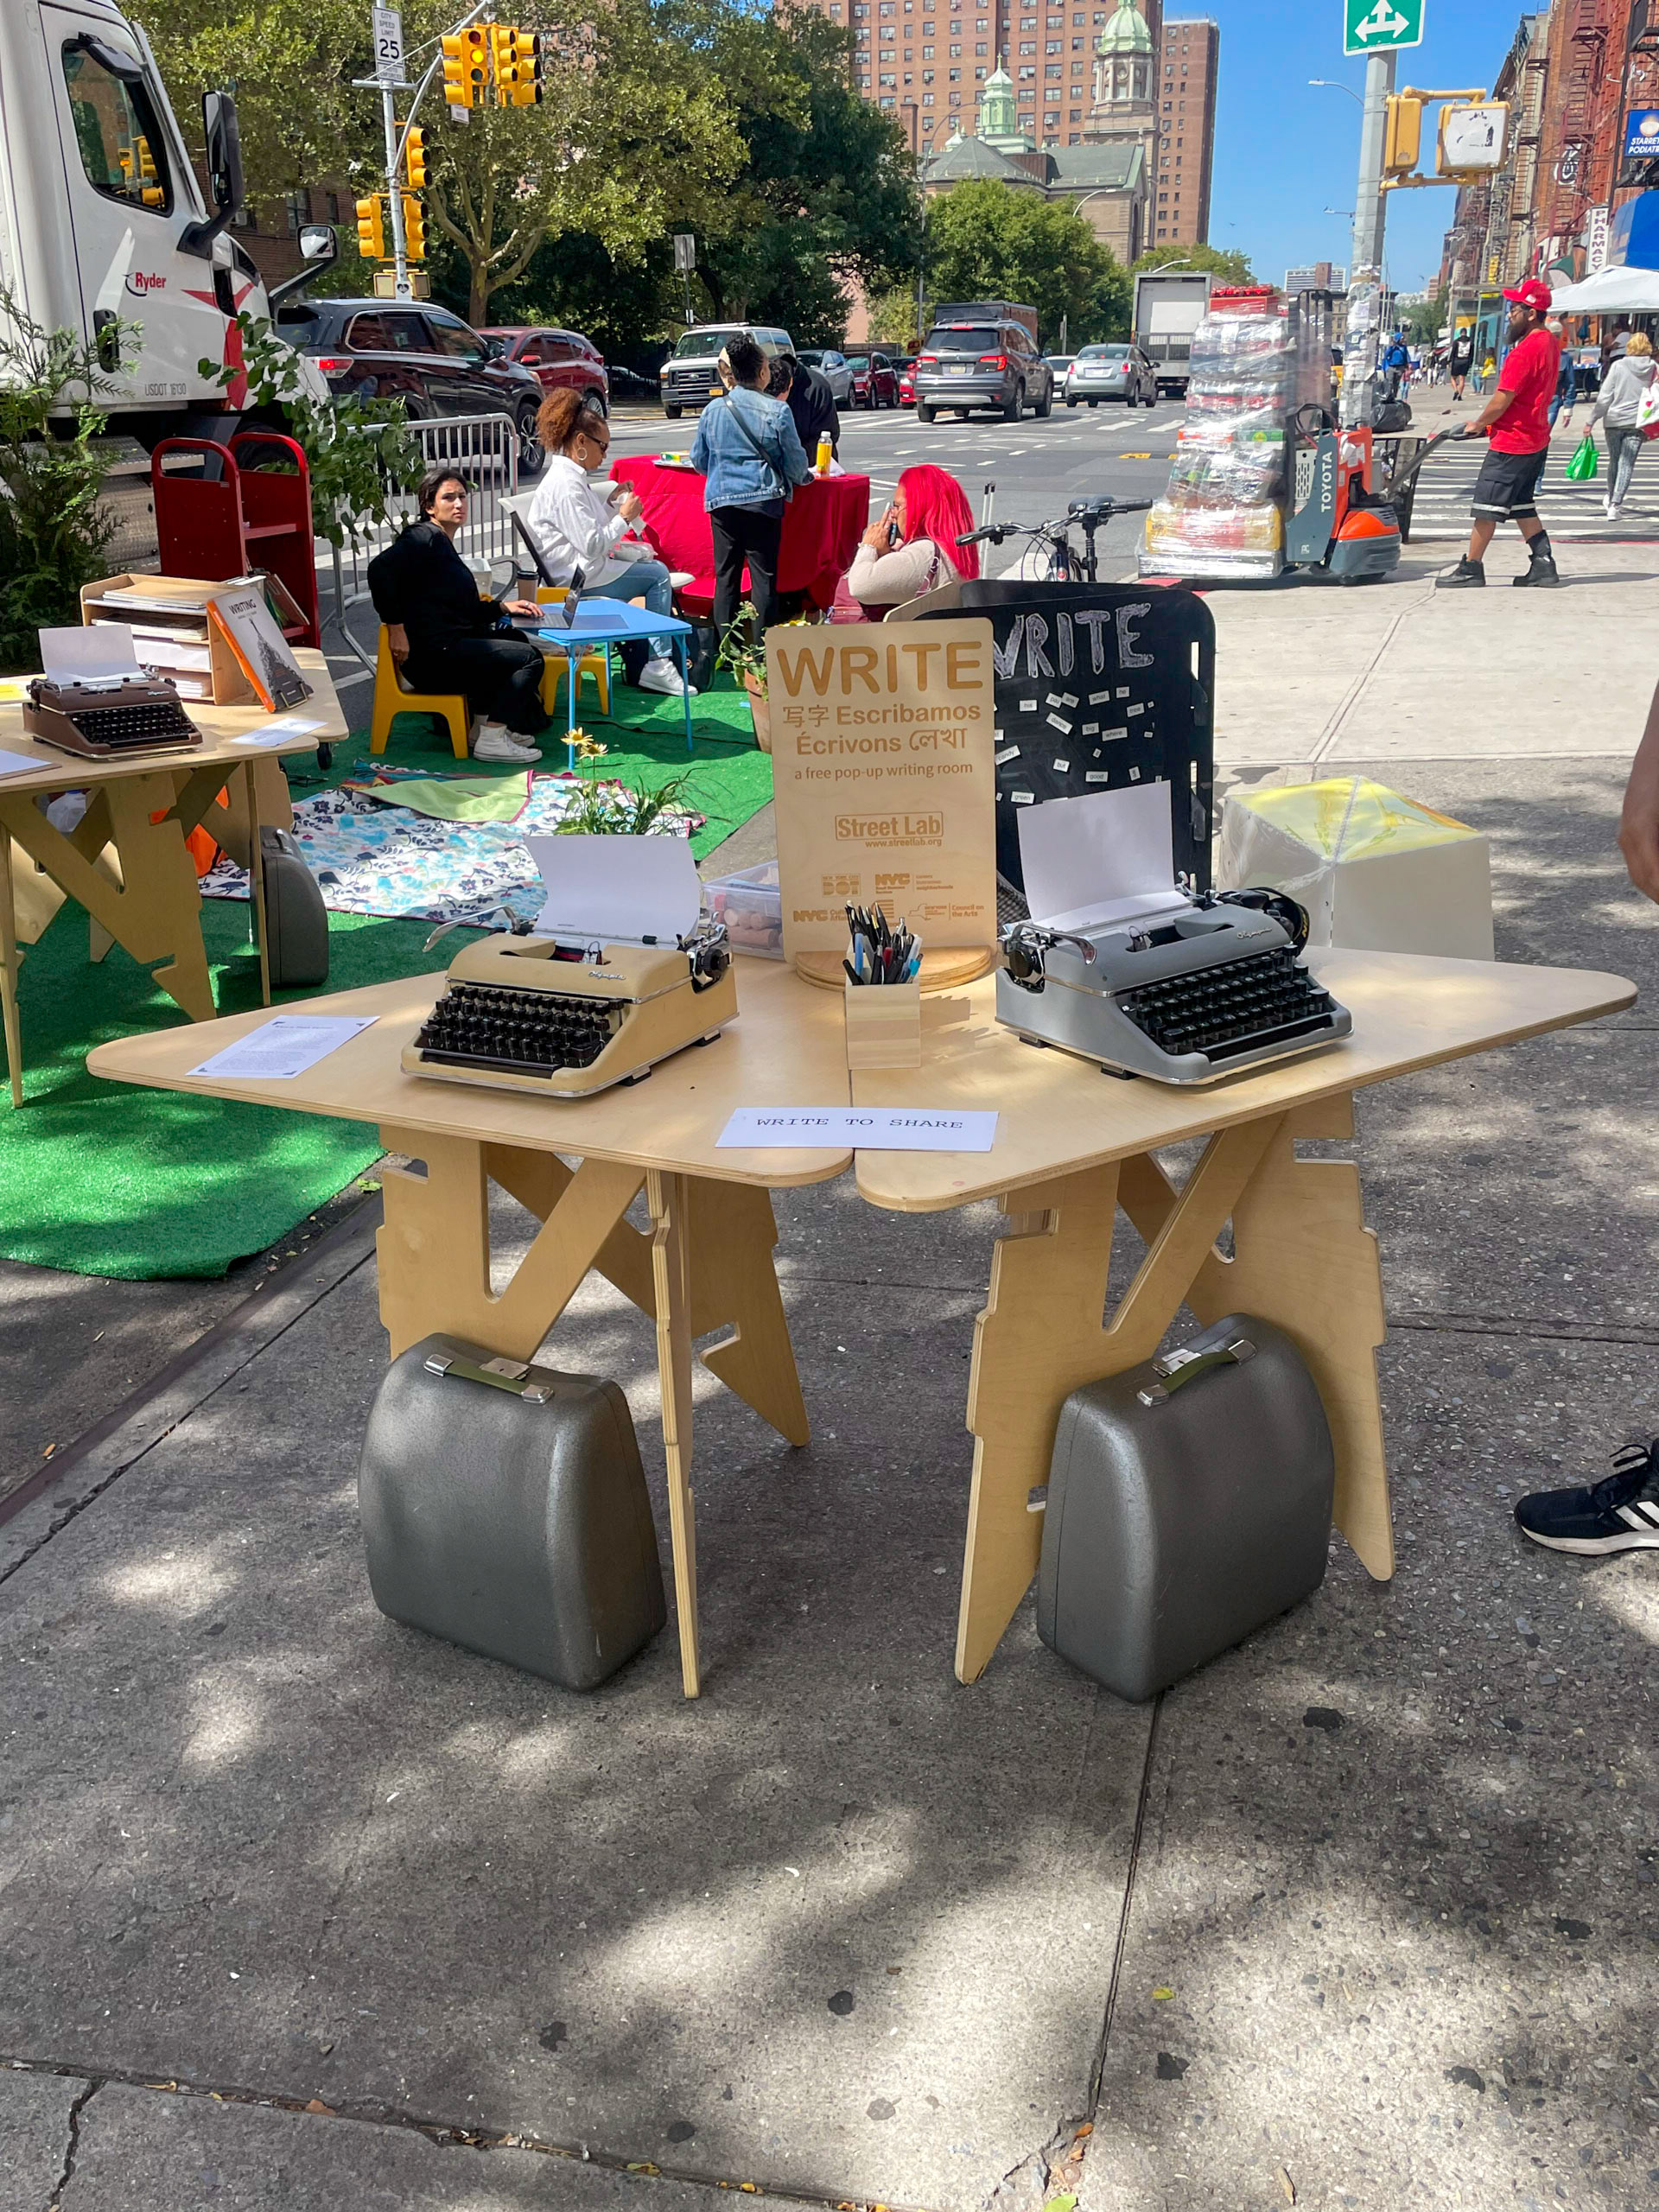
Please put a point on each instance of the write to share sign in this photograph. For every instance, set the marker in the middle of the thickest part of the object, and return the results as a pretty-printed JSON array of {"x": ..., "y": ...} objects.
[{"x": 885, "y": 786}]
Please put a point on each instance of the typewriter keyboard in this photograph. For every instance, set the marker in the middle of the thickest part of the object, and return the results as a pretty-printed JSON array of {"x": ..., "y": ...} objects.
[
  {"x": 119, "y": 730},
  {"x": 1238, "y": 1006},
  {"x": 526, "y": 1033}
]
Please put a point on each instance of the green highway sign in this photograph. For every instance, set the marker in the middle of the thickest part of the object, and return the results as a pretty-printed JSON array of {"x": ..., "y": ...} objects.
[{"x": 1380, "y": 26}]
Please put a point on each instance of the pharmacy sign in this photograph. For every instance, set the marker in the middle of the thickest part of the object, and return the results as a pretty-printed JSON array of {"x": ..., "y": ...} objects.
[{"x": 1381, "y": 26}]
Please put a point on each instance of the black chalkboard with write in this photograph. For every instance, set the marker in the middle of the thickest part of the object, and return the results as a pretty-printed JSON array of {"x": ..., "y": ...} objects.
[{"x": 1097, "y": 686}]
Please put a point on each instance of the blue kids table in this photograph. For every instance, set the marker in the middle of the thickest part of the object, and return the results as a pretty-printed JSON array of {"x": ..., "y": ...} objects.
[{"x": 607, "y": 622}]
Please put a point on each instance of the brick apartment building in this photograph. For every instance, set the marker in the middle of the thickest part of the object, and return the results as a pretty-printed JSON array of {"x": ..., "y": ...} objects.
[{"x": 1190, "y": 52}]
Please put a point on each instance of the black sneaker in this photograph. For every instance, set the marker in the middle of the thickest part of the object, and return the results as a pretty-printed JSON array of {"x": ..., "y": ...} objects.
[
  {"x": 1541, "y": 569},
  {"x": 1467, "y": 576},
  {"x": 1619, "y": 1514}
]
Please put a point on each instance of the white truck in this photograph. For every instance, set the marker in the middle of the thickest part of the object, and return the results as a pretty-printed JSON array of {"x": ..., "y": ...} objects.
[
  {"x": 1169, "y": 305},
  {"x": 103, "y": 223}
]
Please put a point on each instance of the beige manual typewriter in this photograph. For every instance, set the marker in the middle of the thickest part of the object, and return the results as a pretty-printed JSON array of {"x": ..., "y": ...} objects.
[{"x": 567, "y": 1018}]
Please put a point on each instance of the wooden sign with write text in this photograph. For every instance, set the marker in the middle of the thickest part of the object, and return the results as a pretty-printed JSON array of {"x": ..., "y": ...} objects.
[{"x": 886, "y": 787}]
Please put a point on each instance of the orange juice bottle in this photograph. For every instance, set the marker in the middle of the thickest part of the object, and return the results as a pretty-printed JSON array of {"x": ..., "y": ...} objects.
[{"x": 825, "y": 456}]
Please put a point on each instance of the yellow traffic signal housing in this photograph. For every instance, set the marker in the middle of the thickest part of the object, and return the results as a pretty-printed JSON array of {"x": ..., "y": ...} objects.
[
  {"x": 1402, "y": 135},
  {"x": 371, "y": 229},
  {"x": 518, "y": 58},
  {"x": 415, "y": 158},
  {"x": 465, "y": 65},
  {"x": 414, "y": 229}
]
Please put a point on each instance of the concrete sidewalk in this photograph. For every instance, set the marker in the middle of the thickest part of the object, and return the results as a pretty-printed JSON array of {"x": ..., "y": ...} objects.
[{"x": 298, "y": 1909}]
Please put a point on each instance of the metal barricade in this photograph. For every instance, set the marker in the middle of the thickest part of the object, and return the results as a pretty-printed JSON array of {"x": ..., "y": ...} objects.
[{"x": 481, "y": 448}]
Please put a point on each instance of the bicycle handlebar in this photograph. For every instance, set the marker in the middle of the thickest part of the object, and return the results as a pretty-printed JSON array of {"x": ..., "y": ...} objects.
[{"x": 1105, "y": 509}]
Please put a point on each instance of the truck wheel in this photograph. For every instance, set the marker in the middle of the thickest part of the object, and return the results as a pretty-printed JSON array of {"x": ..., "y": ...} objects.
[
  {"x": 1016, "y": 406},
  {"x": 924, "y": 412},
  {"x": 672, "y": 413}
]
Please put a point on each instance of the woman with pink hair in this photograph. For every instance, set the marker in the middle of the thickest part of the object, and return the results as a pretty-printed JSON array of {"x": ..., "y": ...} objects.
[{"x": 913, "y": 549}]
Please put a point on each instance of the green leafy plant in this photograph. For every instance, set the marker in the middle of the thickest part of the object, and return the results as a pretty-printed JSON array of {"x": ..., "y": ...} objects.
[
  {"x": 742, "y": 653},
  {"x": 363, "y": 456},
  {"x": 54, "y": 536},
  {"x": 616, "y": 809}
]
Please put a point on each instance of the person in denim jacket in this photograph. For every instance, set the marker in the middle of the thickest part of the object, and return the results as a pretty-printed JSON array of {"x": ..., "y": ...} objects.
[{"x": 747, "y": 448}]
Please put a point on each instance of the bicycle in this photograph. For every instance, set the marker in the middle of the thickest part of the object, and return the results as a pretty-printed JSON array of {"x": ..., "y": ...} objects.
[{"x": 1062, "y": 563}]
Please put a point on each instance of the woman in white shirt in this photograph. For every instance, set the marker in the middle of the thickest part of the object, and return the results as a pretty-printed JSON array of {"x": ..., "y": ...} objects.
[
  {"x": 579, "y": 524},
  {"x": 912, "y": 548}
]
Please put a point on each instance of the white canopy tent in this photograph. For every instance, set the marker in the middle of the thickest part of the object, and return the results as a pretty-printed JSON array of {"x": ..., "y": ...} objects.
[{"x": 1610, "y": 291}]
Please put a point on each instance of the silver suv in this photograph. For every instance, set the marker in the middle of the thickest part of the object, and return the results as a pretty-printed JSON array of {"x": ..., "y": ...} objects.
[
  {"x": 967, "y": 364},
  {"x": 690, "y": 375}
]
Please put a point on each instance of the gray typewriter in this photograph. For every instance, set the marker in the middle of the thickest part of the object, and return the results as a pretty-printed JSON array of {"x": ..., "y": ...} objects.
[{"x": 1190, "y": 993}]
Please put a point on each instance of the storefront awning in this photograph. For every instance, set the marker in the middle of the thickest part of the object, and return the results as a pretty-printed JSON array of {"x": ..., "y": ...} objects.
[{"x": 1610, "y": 291}]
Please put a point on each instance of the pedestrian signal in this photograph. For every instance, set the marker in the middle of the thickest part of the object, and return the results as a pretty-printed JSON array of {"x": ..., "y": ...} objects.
[
  {"x": 1402, "y": 135},
  {"x": 371, "y": 229},
  {"x": 415, "y": 158},
  {"x": 466, "y": 67},
  {"x": 518, "y": 58},
  {"x": 414, "y": 229}
]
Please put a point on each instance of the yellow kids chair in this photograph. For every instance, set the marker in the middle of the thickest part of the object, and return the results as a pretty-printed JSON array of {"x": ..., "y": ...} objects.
[{"x": 393, "y": 697}]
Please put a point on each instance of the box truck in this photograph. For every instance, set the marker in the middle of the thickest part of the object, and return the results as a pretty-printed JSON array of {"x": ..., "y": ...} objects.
[
  {"x": 1169, "y": 305},
  {"x": 104, "y": 228}
]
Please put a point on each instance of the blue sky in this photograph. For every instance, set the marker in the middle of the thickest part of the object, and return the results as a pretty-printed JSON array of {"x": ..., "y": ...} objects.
[{"x": 1285, "y": 151}]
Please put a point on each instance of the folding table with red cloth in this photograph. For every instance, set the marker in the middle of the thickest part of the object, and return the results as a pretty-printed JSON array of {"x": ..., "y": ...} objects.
[{"x": 822, "y": 524}]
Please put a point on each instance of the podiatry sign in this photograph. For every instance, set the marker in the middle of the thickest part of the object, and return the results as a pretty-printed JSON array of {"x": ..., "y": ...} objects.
[{"x": 1379, "y": 25}]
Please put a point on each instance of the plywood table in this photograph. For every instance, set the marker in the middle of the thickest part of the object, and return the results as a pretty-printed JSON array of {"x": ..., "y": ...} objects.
[
  {"x": 1073, "y": 1145},
  {"x": 706, "y": 1261},
  {"x": 126, "y": 862}
]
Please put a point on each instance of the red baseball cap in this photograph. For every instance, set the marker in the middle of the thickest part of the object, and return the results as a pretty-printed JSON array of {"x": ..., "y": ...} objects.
[{"x": 1533, "y": 294}]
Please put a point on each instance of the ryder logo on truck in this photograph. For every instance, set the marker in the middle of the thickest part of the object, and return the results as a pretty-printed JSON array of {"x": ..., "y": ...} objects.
[{"x": 142, "y": 283}]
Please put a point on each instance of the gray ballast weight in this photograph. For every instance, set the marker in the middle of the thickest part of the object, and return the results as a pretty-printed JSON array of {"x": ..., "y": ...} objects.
[
  {"x": 1189, "y": 1501},
  {"x": 296, "y": 921},
  {"x": 504, "y": 1507}
]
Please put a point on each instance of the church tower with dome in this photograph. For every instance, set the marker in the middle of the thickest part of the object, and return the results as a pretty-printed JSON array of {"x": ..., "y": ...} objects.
[{"x": 1125, "y": 105}]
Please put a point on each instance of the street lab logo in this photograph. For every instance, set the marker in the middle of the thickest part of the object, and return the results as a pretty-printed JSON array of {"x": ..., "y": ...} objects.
[
  {"x": 874, "y": 829},
  {"x": 141, "y": 283}
]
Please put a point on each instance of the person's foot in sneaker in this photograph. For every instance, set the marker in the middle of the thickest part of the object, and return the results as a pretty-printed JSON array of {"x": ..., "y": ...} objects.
[
  {"x": 1468, "y": 575},
  {"x": 1619, "y": 1514},
  {"x": 659, "y": 674},
  {"x": 496, "y": 742}
]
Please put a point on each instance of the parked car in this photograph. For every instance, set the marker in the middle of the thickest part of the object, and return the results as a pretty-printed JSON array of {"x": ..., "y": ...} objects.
[
  {"x": 982, "y": 363},
  {"x": 1059, "y": 363},
  {"x": 418, "y": 353},
  {"x": 1111, "y": 373},
  {"x": 690, "y": 375},
  {"x": 558, "y": 360},
  {"x": 903, "y": 367},
  {"x": 833, "y": 368},
  {"x": 875, "y": 381}
]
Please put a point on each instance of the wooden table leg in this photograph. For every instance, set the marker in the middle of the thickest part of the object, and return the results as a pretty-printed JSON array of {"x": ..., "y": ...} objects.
[
  {"x": 667, "y": 1197},
  {"x": 257, "y": 880},
  {"x": 8, "y": 964}
]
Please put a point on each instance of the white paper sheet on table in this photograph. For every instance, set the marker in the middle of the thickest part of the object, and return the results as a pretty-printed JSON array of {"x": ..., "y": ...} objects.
[
  {"x": 286, "y": 1045},
  {"x": 864, "y": 1128},
  {"x": 13, "y": 763},
  {"x": 617, "y": 889},
  {"x": 278, "y": 733},
  {"x": 100, "y": 652}
]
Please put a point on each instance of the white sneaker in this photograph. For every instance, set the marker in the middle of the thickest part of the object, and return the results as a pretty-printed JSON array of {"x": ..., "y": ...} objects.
[
  {"x": 494, "y": 742},
  {"x": 679, "y": 578},
  {"x": 661, "y": 675},
  {"x": 1613, "y": 512}
]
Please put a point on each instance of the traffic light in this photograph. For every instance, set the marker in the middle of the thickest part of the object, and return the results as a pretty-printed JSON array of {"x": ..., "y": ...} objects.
[
  {"x": 465, "y": 65},
  {"x": 518, "y": 58},
  {"x": 415, "y": 158},
  {"x": 1402, "y": 135},
  {"x": 371, "y": 229},
  {"x": 414, "y": 229}
]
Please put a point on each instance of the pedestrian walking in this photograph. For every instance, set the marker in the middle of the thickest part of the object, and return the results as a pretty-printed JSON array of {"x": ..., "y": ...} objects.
[
  {"x": 1618, "y": 405},
  {"x": 1517, "y": 420},
  {"x": 1459, "y": 360}
]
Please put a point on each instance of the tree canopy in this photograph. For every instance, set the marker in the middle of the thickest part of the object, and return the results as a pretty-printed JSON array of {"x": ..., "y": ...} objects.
[
  {"x": 1232, "y": 266},
  {"x": 987, "y": 240}
]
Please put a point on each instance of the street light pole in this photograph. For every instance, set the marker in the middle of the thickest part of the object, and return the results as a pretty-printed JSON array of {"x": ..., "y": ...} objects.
[{"x": 1369, "y": 202}]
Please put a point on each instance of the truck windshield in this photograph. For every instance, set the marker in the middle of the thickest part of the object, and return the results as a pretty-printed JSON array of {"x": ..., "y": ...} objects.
[
  {"x": 699, "y": 345},
  {"x": 969, "y": 338},
  {"x": 116, "y": 130}
]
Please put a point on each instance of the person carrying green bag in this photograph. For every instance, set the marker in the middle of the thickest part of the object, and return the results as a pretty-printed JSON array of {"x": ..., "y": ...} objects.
[
  {"x": 1581, "y": 469},
  {"x": 1516, "y": 417}
]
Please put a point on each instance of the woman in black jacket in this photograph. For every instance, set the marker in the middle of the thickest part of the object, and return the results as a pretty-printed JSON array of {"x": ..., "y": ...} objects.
[{"x": 447, "y": 637}]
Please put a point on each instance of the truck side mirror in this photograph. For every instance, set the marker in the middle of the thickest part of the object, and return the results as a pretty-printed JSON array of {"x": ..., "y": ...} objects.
[
  {"x": 223, "y": 151},
  {"x": 318, "y": 244}
]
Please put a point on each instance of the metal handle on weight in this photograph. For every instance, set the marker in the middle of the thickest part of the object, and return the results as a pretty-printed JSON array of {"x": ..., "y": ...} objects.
[
  {"x": 1175, "y": 1371},
  {"x": 510, "y": 1374}
]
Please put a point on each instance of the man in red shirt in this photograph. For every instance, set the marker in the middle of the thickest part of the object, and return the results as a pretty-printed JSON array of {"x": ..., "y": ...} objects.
[{"x": 1517, "y": 417}]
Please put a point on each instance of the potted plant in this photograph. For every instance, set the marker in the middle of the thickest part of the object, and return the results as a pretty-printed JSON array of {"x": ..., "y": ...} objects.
[{"x": 746, "y": 656}]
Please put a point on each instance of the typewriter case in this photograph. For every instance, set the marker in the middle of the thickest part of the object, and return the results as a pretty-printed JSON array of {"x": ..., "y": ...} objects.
[{"x": 1189, "y": 1503}]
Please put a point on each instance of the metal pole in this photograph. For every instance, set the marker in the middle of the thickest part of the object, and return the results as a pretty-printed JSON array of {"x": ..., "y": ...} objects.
[
  {"x": 1371, "y": 200},
  {"x": 394, "y": 193}
]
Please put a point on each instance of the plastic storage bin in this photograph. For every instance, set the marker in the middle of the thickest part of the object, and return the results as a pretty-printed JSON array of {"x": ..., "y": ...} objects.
[{"x": 751, "y": 905}]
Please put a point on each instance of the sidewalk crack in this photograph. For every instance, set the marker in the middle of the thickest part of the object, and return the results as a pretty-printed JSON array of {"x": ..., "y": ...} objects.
[{"x": 72, "y": 2149}]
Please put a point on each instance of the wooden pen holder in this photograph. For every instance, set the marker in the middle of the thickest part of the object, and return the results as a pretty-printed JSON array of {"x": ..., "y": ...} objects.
[{"x": 884, "y": 1025}]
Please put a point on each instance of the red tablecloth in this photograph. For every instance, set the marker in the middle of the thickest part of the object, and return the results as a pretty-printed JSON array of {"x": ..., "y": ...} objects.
[{"x": 822, "y": 524}]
